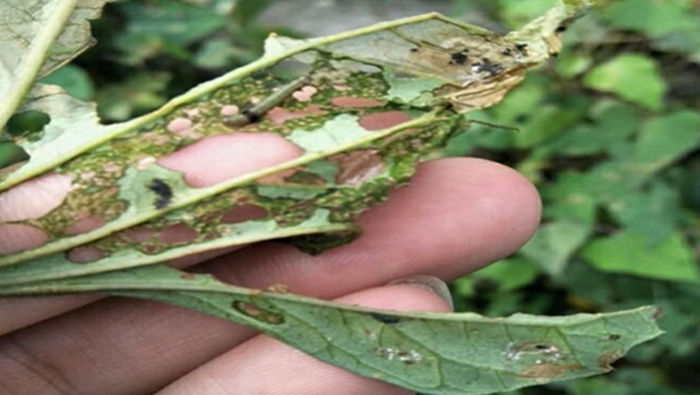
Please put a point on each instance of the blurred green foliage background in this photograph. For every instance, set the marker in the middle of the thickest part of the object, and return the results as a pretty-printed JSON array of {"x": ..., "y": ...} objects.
[{"x": 610, "y": 134}]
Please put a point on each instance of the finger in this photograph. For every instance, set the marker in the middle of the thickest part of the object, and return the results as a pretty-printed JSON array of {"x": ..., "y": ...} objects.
[
  {"x": 482, "y": 210},
  {"x": 263, "y": 365},
  {"x": 205, "y": 163},
  {"x": 456, "y": 216}
]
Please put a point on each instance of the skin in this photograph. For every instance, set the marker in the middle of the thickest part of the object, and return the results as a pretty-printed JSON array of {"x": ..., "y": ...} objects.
[{"x": 457, "y": 216}]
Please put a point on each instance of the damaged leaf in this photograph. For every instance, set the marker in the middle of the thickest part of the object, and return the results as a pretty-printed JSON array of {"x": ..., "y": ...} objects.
[{"x": 430, "y": 353}]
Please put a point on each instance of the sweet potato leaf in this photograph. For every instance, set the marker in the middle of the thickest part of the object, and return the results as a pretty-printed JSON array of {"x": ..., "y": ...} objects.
[{"x": 431, "y": 353}]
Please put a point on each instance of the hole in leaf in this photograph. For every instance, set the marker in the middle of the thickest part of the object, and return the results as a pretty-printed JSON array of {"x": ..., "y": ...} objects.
[
  {"x": 385, "y": 318},
  {"x": 258, "y": 313},
  {"x": 11, "y": 154},
  {"x": 28, "y": 124}
]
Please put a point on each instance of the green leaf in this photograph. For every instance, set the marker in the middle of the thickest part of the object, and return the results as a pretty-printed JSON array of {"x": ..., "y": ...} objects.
[
  {"x": 652, "y": 17},
  {"x": 653, "y": 214},
  {"x": 627, "y": 253},
  {"x": 167, "y": 26},
  {"x": 483, "y": 355},
  {"x": 554, "y": 244},
  {"x": 138, "y": 94},
  {"x": 667, "y": 139},
  {"x": 508, "y": 275},
  {"x": 74, "y": 80},
  {"x": 633, "y": 77},
  {"x": 572, "y": 64},
  {"x": 517, "y": 12},
  {"x": 614, "y": 125}
]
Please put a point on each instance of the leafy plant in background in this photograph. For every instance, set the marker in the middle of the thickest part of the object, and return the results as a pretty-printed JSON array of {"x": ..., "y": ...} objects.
[{"x": 600, "y": 134}]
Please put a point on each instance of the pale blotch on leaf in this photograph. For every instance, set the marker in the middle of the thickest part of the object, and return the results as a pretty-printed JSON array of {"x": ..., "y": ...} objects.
[
  {"x": 392, "y": 354},
  {"x": 383, "y": 120},
  {"x": 192, "y": 113},
  {"x": 34, "y": 198},
  {"x": 183, "y": 127},
  {"x": 257, "y": 313},
  {"x": 533, "y": 352},
  {"x": 305, "y": 94},
  {"x": 358, "y": 166},
  {"x": 85, "y": 254},
  {"x": 341, "y": 88},
  {"x": 546, "y": 371},
  {"x": 230, "y": 110},
  {"x": 221, "y": 158},
  {"x": 19, "y": 237}
]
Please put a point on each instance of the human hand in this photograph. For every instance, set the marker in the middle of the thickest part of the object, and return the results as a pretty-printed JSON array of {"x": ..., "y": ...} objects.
[{"x": 457, "y": 216}]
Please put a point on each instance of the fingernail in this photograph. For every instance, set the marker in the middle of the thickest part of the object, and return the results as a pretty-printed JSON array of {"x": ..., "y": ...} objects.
[{"x": 431, "y": 283}]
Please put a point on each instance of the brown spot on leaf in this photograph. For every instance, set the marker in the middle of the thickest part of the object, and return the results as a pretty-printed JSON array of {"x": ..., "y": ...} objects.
[
  {"x": 605, "y": 361},
  {"x": 278, "y": 289},
  {"x": 245, "y": 213},
  {"x": 355, "y": 102},
  {"x": 257, "y": 313},
  {"x": 547, "y": 371},
  {"x": 358, "y": 166},
  {"x": 85, "y": 254},
  {"x": 17, "y": 237},
  {"x": 383, "y": 120}
]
